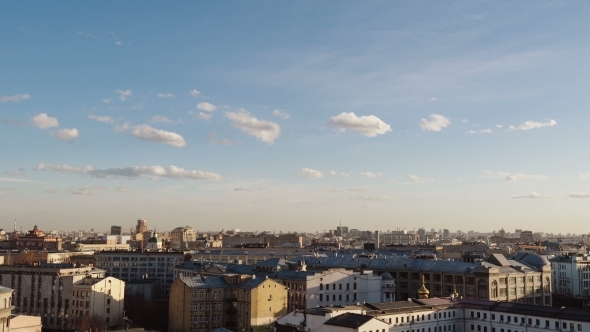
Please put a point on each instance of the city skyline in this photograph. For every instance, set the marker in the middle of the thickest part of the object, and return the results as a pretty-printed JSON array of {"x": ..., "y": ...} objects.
[{"x": 289, "y": 116}]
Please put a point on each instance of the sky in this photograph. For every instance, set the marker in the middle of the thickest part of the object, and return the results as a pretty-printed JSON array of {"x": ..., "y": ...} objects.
[{"x": 295, "y": 116}]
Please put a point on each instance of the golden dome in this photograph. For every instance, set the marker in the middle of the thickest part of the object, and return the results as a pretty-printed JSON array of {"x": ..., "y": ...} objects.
[{"x": 423, "y": 291}]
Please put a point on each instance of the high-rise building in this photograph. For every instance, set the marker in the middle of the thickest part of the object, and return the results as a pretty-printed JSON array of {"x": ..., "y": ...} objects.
[
  {"x": 141, "y": 226},
  {"x": 116, "y": 230}
]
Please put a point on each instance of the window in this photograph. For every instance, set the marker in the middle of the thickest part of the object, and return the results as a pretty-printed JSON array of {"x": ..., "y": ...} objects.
[
  {"x": 472, "y": 327},
  {"x": 321, "y": 287},
  {"x": 333, "y": 286},
  {"x": 579, "y": 327},
  {"x": 340, "y": 286},
  {"x": 354, "y": 286},
  {"x": 321, "y": 297}
]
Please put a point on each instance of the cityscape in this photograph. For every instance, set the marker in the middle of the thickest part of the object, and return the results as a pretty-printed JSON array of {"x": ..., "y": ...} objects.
[{"x": 276, "y": 166}]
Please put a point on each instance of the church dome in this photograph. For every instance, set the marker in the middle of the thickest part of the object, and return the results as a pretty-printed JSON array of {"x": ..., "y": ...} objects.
[{"x": 386, "y": 276}]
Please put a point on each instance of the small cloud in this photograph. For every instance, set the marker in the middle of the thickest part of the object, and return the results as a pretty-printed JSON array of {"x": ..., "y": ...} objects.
[
  {"x": 370, "y": 198},
  {"x": 51, "y": 191},
  {"x": 14, "y": 180},
  {"x": 310, "y": 173},
  {"x": 579, "y": 195},
  {"x": 499, "y": 126},
  {"x": 367, "y": 125},
  {"x": 371, "y": 175},
  {"x": 123, "y": 189},
  {"x": 148, "y": 133},
  {"x": 137, "y": 107},
  {"x": 281, "y": 114},
  {"x": 204, "y": 116},
  {"x": 165, "y": 95},
  {"x": 481, "y": 131},
  {"x": 207, "y": 107},
  {"x": 87, "y": 34},
  {"x": 194, "y": 92},
  {"x": 332, "y": 173},
  {"x": 511, "y": 176},
  {"x": 263, "y": 130},
  {"x": 432, "y": 100},
  {"x": 44, "y": 121},
  {"x": 435, "y": 123},
  {"x": 124, "y": 94},
  {"x": 106, "y": 100},
  {"x": 213, "y": 139},
  {"x": 84, "y": 192},
  {"x": 15, "y": 98},
  {"x": 414, "y": 178},
  {"x": 346, "y": 175},
  {"x": 464, "y": 121},
  {"x": 66, "y": 134},
  {"x": 528, "y": 125},
  {"x": 585, "y": 176},
  {"x": 160, "y": 119},
  {"x": 100, "y": 118},
  {"x": 531, "y": 195}
]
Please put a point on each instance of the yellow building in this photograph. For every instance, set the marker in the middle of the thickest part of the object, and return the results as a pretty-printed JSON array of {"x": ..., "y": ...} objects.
[{"x": 236, "y": 302}]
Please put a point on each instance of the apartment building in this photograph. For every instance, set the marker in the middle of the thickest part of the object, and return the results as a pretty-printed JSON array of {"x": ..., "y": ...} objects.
[
  {"x": 282, "y": 240},
  {"x": 436, "y": 315},
  {"x": 571, "y": 275},
  {"x": 54, "y": 294},
  {"x": 527, "y": 280},
  {"x": 5, "y": 308},
  {"x": 132, "y": 265},
  {"x": 236, "y": 302}
]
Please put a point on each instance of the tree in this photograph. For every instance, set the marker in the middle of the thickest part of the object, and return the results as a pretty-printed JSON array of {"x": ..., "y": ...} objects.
[{"x": 93, "y": 323}]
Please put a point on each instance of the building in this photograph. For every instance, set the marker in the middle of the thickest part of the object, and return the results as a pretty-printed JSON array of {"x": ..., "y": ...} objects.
[
  {"x": 436, "y": 315},
  {"x": 24, "y": 323},
  {"x": 183, "y": 238},
  {"x": 235, "y": 302},
  {"x": 37, "y": 240},
  {"x": 154, "y": 243},
  {"x": 571, "y": 276},
  {"x": 5, "y": 308},
  {"x": 131, "y": 265},
  {"x": 116, "y": 230},
  {"x": 141, "y": 226},
  {"x": 63, "y": 295},
  {"x": 270, "y": 240},
  {"x": 396, "y": 238},
  {"x": 526, "y": 280}
]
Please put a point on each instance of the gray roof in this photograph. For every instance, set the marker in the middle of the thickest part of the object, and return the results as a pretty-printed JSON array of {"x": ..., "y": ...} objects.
[
  {"x": 202, "y": 282},
  {"x": 6, "y": 290},
  {"x": 349, "y": 320}
]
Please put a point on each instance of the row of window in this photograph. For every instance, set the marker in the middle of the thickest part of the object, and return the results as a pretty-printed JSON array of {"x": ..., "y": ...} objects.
[
  {"x": 523, "y": 321},
  {"x": 484, "y": 328},
  {"x": 327, "y": 297},
  {"x": 339, "y": 286}
]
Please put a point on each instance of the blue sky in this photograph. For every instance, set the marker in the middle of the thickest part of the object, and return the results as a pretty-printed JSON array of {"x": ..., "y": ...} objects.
[{"x": 295, "y": 115}]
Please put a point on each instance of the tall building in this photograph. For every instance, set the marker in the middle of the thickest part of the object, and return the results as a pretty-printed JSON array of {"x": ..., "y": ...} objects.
[
  {"x": 183, "y": 238},
  {"x": 116, "y": 230},
  {"x": 64, "y": 296},
  {"x": 235, "y": 302},
  {"x": 141, "y": 226},
  {"x": 132, "y": 265},
  {"x": 571, "y": 276}
]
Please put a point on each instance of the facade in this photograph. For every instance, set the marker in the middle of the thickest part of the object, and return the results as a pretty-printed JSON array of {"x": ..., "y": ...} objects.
[
  {"x": 571, "y": 275},
  {"x": 55, "y": 294},
  {"x": 23, "y": 323},
  {"x": 283, "y": 240},
  {"x": 399, "y": 238},
  {"x": 527, "y": 280},
  {"x": 131, "y": 265},
  {"x": 183, "y": 238},
  {"x": 5, "y": 308},
  {"x": 37, "y": 240},
  {"x": 235, "y": 302},
  {"x": 116, "y": 230},
  {"x": 141, "y": 226},
  {"x": 437, "y": 315},
  {"x": 104, "y": 297}
]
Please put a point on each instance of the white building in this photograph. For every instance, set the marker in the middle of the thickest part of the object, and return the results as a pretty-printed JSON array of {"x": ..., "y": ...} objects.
[
  {"x": 436, "y": 315},
  {"x": 342, "y": 287},
  {"x": 54, "y": 294},
  {"x": 571, "y": 275}
]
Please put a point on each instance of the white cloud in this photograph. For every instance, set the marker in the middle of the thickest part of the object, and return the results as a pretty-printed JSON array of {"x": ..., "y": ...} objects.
[
  {"x": 433, "y": 99},
  {"x": 436, "y": 123},
  {"x": 531, "y": 195},
  {"x": 64, "y": 168},
  {"x": 137, "y": 107},
  {"x": 14, "y": 180},
  {"x": 371, "y": 175},
  {"x": 207, "y": 107},
  {"x": 44, "y": 121},
  {"x": 368, "y": 125},
  {"x": 204, "y": 116},
  {"x": 310, "y": 173},
  {"x": 101, "y": 118},
  {"x": 213, "y": 139},
  {"x": 333, "y": 173},
  {"x": 585, "y": 176},
  {"x": 281, "y": 114},
  {"x": 165, "y": 95},
  {"x": 106, "y": 100},
  {"x": 481, "y": 131},
  {"x": 414, "y": 178},
  {"x": 464, "y": 121},
  {"x": 15, "y": 98},
  {"x": 123, "y": 189},
  {"x": 579, "y": 195},
  {"x": 194, "y": 92},
  {"x": 511, "y": 176},
  {"x": 66, "y": 134},
  {"x": 172, "y": 172},
  {"x": 528, "y": 125},
  {"x": 346, "y": 175},
  {"x": 263, "y": 130},
  {"x": 84, "y": 192},
  {"x": 161, "y": 119},
  {"x": 150, "y": 134},
  {"x": 124, "y": 94},
  {"x": 499, "y": 126}
]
